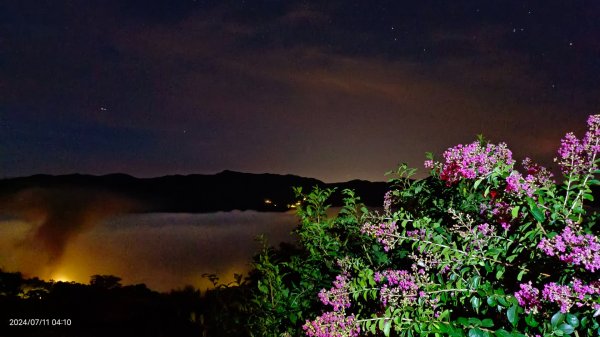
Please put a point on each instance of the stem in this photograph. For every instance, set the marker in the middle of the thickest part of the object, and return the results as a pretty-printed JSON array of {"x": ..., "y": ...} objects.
[
  {"x": 587, "y": 176},
  {"x": 452, "y": 290},
  {"x": 408, "y": 321},
  {"x": 568, "y": 185},
  {"x": 367, "y": 254},
  {"x": 451, "y": 248}
]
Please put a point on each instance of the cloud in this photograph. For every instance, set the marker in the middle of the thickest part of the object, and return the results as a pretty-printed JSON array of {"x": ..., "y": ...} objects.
[{"x": 54, "y": 218}]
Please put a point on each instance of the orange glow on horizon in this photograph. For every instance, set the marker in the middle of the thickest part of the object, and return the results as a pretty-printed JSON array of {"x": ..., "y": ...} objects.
[{"x": 60, "y": 277}]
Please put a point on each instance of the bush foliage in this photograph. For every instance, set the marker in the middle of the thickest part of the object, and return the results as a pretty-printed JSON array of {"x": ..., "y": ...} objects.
[{"x": 483, "y": 247}]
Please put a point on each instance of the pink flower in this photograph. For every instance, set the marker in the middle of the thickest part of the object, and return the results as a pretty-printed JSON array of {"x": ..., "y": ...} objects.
[
  {"x": 337, "y": 296},
  {"x": 384, "y": 233},
  {"x": 576, "y": 156},
  {"x": 472, "y": 161},
  {"x": 528, "y": 298},
  {"x": 399, "y": 286},
  {"x": 558, "y": 294},
  {"x": 387, "y": 202},
  {"x": 332, "y": 324},
  {"x": 573, "y": 248}
]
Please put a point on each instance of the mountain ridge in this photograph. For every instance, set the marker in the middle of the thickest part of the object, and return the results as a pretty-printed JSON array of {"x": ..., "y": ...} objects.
[{"x": 194, "y": 193}]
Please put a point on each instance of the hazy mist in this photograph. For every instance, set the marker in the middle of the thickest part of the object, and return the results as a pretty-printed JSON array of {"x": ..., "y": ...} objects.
[{"x": 71, "y": 235}]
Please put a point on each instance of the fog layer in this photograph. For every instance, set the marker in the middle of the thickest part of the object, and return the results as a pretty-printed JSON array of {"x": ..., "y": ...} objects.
[{"x": 162, "y": 250}]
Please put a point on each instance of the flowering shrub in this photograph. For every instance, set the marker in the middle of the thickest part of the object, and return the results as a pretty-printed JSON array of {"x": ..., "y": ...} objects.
[
  {"x": 480, "y": 249},
  {"x": 574, "y": 249},
  {"x": 471, "y": 161}
]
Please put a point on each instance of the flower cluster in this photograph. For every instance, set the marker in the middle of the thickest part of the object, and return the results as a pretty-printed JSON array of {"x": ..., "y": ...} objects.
[
  {"x": 572, "y": 248},
  {"x": 537, "y": 176},
  {"x": 540, "y": 175},
  {"x": 423, "y": 257},
  {"x": 566, "y": 296},
  {"x": 516, "y": 184},
  {"x": 528, "y": 298},
  {"x": 571, "y": 154},
  {"x": 419, "y": 234},
  {"x": 399, "y": 286},
  {"x": 499, "y": 212},
  {"x": 577, "y": 294},
  {"x": 332, "y": 324},
  {"x": 576, "y": 156},
  {"x": 384, "y": 232},
  {"x": 485, "y": 229},
  {"x": 592, "y": 136},
  {"x": 475, "y": 237},
  {"x": 387, "y": 202},
  {"x": 471, "y": 161},
  {"x": 337, "y": 296}
]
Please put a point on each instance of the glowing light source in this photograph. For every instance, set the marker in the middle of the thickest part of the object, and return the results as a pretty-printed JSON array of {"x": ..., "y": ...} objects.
[{"x": 61, "y": 277}]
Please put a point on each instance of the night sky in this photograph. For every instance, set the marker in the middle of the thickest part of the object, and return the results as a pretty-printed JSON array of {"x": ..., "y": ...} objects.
[{"x": 335, "y": 90}]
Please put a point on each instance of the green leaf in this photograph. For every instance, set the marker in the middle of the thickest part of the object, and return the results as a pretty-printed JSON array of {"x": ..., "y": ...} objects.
[
  {"x": 502, "y": 333},
  {"x": 500, "y": 272},
  {"x": 511, "y": 314},
  {"x": 491, "y": 301},
  {"x": 263, "y": 288},
  {"x": 594, "y": 181},
  {"x": 386, "y": 327},
  {"x": 475, "y": 281},
  {"x": 588, "y": 197},
  {"x": 477, "y": 183},
  {"x": 475, "y": 303},
  {"x": 475, "y": 321},
  {"x": 572, "y": 320},
  {"x": 487, "y": 323},
  {"x": 557, "y": 318},
  {"x": 476, "y": 333},
  {"x": 515, "y": 212},
  {"x": 566, "y": 328},
  {"x": 456, "y": 333},
  {"x": 536, "y": 212},
  {"x": 530, "y": 320}
]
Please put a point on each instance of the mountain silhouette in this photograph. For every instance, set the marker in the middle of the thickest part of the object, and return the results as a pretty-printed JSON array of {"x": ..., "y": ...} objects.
[{"x": 195, "y": 193}]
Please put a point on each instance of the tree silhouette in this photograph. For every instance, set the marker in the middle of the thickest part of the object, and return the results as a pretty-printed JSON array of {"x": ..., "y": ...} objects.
[{"x": 107, "y": 282}]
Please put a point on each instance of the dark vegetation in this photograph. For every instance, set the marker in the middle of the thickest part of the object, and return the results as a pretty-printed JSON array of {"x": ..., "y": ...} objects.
[{"x": 102, "y": 308}]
